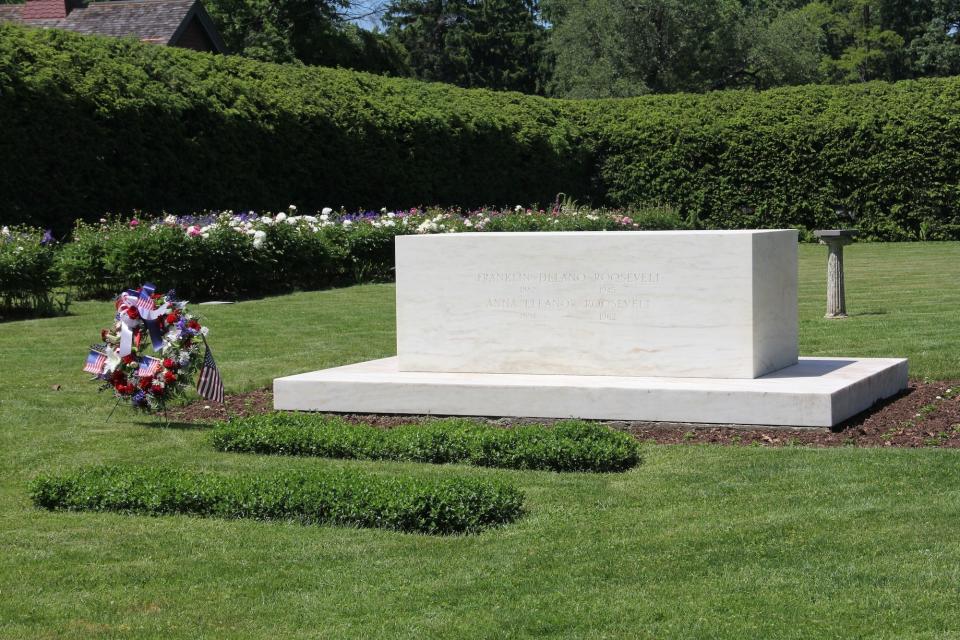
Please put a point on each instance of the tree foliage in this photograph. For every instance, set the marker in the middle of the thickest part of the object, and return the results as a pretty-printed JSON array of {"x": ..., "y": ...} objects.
[
  {"x": 496, "y": 44},
  {"x": 308, "y": 31},
  {"x": 630, "y": 47}
]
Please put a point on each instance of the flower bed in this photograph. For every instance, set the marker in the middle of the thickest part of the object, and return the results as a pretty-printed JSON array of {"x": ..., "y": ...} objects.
[
  {"x": 432, "y": 506},
  {"x": 234, "y": 255},
  {"x": 568, "y": 446}
]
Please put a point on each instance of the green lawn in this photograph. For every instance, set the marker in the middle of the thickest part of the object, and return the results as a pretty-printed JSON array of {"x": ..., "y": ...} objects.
[{"x": 697, "y": 542}]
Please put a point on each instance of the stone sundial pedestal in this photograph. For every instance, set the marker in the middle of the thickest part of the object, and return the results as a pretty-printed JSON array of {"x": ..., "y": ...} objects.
[
  {"x": 671, "y": 326},
  {"x": 836, "y": 240}
]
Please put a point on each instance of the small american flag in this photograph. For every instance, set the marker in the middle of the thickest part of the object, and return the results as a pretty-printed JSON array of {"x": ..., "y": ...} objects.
[
  {"x": 209, "y": 385},
  {"x": 144, "y": 301},
  {"x": 96, "y": 361},
  {"x": 148, "y": 367}
]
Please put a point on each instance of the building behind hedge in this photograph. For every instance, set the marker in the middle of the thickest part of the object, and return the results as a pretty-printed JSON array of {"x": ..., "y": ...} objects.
[{"x": 174, "y": 23}]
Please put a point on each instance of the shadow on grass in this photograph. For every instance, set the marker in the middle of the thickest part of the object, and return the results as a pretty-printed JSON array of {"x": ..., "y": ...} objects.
[
  {"x": 868, "y": 313},
  {"x": 16, "y": 315}
]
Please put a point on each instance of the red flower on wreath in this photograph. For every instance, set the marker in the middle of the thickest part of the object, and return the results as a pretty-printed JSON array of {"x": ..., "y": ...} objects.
[
  {"x": 169, "y": 364},
  {"x": 169, "y": 376}
]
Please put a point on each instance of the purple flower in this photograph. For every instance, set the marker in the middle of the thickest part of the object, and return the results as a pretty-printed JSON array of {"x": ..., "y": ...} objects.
[{"x": 47, "y": 238}]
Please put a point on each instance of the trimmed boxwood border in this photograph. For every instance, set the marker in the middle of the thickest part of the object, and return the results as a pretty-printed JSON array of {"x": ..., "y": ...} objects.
[
  {"x": 345, "y": 497},
  {"x": 570, "y": 445}
]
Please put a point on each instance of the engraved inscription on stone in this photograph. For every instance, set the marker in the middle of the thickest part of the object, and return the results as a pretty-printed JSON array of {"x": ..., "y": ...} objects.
[{"x": 601, "y": 295}]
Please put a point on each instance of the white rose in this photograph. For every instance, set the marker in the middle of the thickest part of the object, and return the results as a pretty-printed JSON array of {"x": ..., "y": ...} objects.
[
  {"x": 327, "y": 211},
  {"x": 518, "y": 208},
  {"x": 391, "y": 214},
  {"x": 281, "y": 217},
  {"x": 383, "y": 210},
  {"x": 347, "y": 223},
  {"x": 292, "y": 207},
  {"x": 259, "y": 235}
]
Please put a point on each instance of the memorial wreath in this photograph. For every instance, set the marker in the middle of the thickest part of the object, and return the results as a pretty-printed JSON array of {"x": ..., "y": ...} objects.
[{"x": 144, "y": 319}]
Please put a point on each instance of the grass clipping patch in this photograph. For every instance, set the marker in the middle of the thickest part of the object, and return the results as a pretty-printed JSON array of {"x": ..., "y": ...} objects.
[
  {"x": 431, "y": 506},
  {"x": 571, "y": 445}
]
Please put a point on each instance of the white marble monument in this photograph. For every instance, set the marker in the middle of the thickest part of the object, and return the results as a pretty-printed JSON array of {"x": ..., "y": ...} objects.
[
  {"x": 678, "y": 326},
  {"x": 711, "y": 304}
]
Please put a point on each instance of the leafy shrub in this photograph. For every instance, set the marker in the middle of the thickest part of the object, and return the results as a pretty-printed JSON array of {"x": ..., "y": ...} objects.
[
  {"x": 27, "y": 274},
  {"x": 242, "y": 255},
  {"x": 568, "y": 446},
  {"x": 432, "y": 506}
]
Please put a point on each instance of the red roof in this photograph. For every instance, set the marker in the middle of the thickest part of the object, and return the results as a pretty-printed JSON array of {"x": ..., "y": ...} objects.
[{"x": 44, "y": 9}]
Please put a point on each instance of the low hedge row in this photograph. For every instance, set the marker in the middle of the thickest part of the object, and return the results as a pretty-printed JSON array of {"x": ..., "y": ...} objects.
[
  {"x": 567, "y": 446},
  {"x": 431, "y": 506}
]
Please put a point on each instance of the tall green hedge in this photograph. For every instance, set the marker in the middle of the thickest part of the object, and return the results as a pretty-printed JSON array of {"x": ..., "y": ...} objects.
[
  {"x": 92, "y": 125},
  {"x": 881, "y": 157}
]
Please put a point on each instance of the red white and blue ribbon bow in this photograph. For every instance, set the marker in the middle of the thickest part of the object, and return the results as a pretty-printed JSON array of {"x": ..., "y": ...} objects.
[
  {"x": 145, "y": 305},
  {"x": 148, "y": 311}
]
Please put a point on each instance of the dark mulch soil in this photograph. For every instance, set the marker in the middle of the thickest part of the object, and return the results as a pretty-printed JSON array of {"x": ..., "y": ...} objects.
[{"x": 925, "y": 415}]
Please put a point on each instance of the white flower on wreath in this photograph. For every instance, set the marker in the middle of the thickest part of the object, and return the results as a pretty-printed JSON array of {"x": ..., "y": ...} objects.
[
  {"x": 327, "y": 211},
  {"x": 281, "y": 217}
]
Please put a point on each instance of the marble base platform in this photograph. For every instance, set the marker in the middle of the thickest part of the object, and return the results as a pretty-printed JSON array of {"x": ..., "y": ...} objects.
[{"x": 815, "y": 392}]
